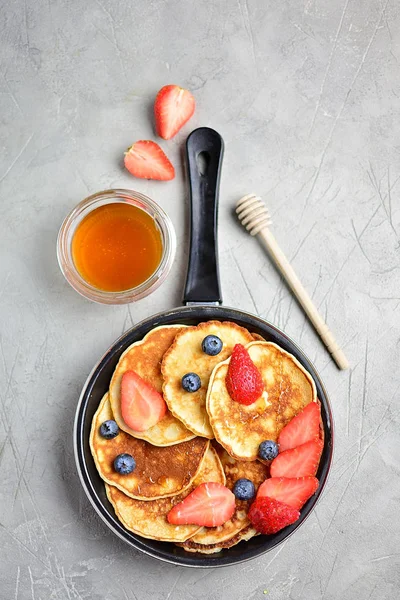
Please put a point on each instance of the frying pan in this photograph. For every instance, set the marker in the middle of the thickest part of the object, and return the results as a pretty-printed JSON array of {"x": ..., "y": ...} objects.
[{"x": 202, "y": 299}]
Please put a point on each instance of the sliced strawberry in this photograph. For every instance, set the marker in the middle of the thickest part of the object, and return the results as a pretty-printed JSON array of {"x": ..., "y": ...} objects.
[
  {"x": 141, "y": 405},
  {"x": 298, "y": 462},
  {"x": 146, "y": 160},
  {"x": 294, "y": 491},
  {"x": 302, "y": 428},
  {"x": 209, "y": 505},
  {"x": 173, "y": 107},
  {"x": 243, "y": 379},
  {"x": 268, "y": 515}
]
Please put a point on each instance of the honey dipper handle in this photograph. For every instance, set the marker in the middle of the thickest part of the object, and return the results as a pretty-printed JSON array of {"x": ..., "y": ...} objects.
[{"x": 304, "y": 299}]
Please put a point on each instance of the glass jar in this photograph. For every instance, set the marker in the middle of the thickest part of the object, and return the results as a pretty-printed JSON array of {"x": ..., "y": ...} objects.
[{"x": 70, "y": 224}]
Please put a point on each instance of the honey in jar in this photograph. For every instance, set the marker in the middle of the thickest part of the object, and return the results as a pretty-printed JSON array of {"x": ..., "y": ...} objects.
[{"x": 117, "y": 247}]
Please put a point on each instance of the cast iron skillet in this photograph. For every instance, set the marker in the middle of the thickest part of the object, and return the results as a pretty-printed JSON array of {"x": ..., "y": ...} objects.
[{"x": 202, "y": 298}]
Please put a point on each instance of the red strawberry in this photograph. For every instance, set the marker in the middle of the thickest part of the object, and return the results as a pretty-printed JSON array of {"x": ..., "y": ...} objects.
[
  {"x": 243, "y": 379},
  {"x": 209, "y": 505},
  {"x": 146, "y": 160},
  {"x": 302, "y": 428},
  {"x": 141, "y": 405},
  {"x": 269, "y": 515},
  {"x": 298, "y": 462},
  {"x": 173, "y": 107},
  {"x": 293, "y": 491}
]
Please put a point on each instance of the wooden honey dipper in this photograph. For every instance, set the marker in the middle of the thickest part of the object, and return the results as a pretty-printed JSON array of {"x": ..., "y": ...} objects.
[{"x": 254, "y": 216}]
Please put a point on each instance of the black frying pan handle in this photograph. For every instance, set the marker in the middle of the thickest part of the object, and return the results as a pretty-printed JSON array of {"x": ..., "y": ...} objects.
[{"x": 204, "y": 151}]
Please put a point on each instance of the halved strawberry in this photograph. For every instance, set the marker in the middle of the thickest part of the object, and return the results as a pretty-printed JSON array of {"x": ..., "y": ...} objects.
[
  {"x": 302, "y": 428},
  {"x": 298, "y": 462},
  {"x": 294, "y": 491},
  {"x": 173, "y": 107},
  {"x": 269, "y": 516},
  {"x": 141, "y": 405},
  {"x": 146, "y": 160},
  {"x": 210, "y": 504},
  {"x": 243, "y": 379}
]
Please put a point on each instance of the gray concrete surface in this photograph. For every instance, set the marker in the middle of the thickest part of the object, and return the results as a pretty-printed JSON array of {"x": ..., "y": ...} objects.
[{"x": 306, "y": 96}]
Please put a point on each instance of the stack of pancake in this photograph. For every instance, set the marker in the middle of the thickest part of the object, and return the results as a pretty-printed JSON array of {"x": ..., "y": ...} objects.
[{"x": 204, "y": 437}]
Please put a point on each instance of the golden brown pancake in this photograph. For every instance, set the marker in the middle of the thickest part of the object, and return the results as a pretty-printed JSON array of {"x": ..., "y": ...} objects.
[
  {"x": 185, "y": 355},
  {"x": 258, "y": 337},
  {"x": 244, "y": 534},
  {"x": 144, "y": 358},
  {"x": 234, "y": 470},
  {"x": 288, "y": 388},
  {"x": 149, "y": 519},
  {"x": 159, "y": 472}
]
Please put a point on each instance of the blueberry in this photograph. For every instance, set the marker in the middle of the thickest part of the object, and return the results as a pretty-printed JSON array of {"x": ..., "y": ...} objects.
[
  {"x": 109, "y": 429},
  {"x": 191, "y": 382},
  {"x": 268, "y": 450},
  {"x": 244, "y": 489},
  {"x": 211, "y": 345},
  {"x": 124, "y": 464}
]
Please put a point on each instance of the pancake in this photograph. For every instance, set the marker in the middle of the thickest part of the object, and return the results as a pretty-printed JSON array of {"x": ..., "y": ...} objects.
[
  {"x": 159, "y": 472},
  {"x": 185, "y": 356},
  {"x": 149, "y": 519},
  {"x": 245, "y": 534},
  {"x": 288, "y": 389},
  {"x": 258, "y": 337},
  {"x": 231, "y": 530},
  {"x": 144, "y": 358}
]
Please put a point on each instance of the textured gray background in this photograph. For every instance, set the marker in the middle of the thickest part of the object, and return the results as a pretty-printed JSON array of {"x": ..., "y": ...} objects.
[{"x": 306, "y": 96}]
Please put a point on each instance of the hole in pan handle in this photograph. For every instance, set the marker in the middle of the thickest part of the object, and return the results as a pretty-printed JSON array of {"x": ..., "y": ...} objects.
[{"x": 204, "y": 152}]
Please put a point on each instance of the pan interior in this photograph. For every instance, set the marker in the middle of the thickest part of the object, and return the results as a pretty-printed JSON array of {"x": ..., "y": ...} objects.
[{"x": 97, "y": 385}]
